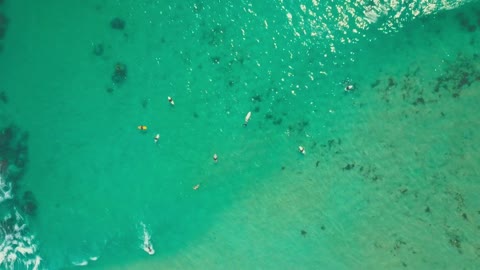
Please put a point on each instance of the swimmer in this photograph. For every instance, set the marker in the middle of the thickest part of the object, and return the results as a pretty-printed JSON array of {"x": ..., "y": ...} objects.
[
  {"x": 171, "y": 101},
  {"x": 215, "y": 157},
  {"x": 196, "y": 186},
  {"x": 143, "y": 128},
  {"x": 156, "y": 138},
  {"x": 301, "y": 149},
  {"x": 349, "y": 87},
  {"x": 247, "y": 118}
]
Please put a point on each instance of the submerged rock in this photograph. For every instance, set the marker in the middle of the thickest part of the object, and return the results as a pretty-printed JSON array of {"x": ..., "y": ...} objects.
[
  {"x": 120, "y": 73},
  {"x": 117, "y": 24},
  {"x": 3, "y": 25},
  {"x": 30, "y": 208},
  {"x": 3, "y": 97},
  {"x": 98, "y": 49},
  {"x": 7, "y": 141},
  {"x": 29, "y": 205}
]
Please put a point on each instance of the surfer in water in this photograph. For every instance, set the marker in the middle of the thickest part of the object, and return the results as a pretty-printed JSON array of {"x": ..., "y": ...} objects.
[
  {"x": 171, "y": 101},
  {"x": 349, "y": 88},
  {"x": 148, "y": 248},
  {"x": 147, "y": 245}
]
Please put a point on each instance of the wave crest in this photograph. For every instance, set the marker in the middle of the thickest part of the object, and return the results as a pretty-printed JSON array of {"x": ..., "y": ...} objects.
[{"x": 347, "y": 21}]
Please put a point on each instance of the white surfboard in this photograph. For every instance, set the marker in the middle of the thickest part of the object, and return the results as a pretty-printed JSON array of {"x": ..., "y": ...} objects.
[{"x": 247, "y": 118}]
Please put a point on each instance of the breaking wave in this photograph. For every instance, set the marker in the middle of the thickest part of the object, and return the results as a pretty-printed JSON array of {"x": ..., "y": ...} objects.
[
  {"x": 347, "y": 21},
  {"x": 18, "y": 248},
  {"x": 353, "y": 16}
]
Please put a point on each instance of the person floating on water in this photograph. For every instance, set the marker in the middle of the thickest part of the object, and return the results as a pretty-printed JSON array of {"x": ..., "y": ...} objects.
[
  {"x": 142, "y": 128},
  {"x": 247, "y": 118},
  {"x": 148, "y": 248},
  {"x": 156, "y": 138},
  {"x": 196, "y": 186},
  {"x": 171, "y": 101},
  {"x": 215, "y": 157},
  {"x": 301, "y": 149},
  {"x": 349, "y": 87}
]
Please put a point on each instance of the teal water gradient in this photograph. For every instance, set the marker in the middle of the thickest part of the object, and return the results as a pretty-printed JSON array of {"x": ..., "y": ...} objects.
[{"x": 390, "y": 175}]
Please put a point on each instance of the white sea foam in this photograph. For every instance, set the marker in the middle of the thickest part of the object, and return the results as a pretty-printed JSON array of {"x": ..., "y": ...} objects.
[
  {"x": 17, "y": 245},
  {"x": 36, "y": 262},
  {"x": 5, "y": 189},
  {"x": 80, "y": 263},
  {"x": 84, "y": 262}
]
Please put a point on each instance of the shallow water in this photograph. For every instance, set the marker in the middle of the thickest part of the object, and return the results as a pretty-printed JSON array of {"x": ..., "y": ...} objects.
[{"x": 389, "y": 178}]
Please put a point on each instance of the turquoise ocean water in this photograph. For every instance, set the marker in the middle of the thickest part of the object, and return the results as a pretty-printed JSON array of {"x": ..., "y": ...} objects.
[{"x": 390, "y": 178}]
